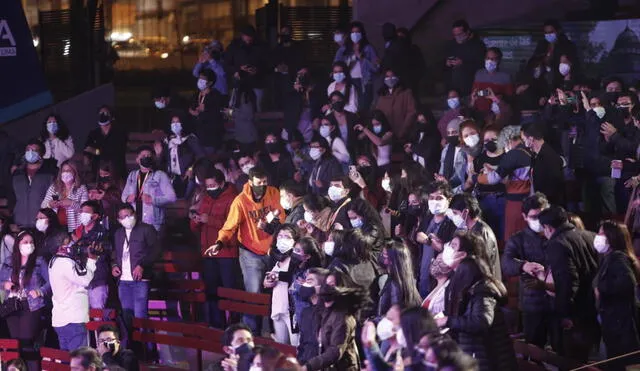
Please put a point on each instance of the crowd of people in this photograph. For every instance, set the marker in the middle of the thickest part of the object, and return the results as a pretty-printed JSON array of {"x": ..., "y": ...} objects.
[{"x": 385, "y": 236}]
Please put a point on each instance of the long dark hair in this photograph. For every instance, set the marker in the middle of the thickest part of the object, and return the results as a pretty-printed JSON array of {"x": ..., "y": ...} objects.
[
  {"x": 417, "y": 322},
  {"x": 335, "y": 133},
  {"x": 363, "y": 42},
  {"x": 63, "y": 130},
  {"x": 620, "y": 240},
  {"x": 311, "y": 247},
  {"x": 16, "y": 263},
  {"x": 350, "y": 299},
  {"x": 400, "y": 270},
  {"x": 368, "y": 213},
  {"x": 382, "y": 119},
  {"x": 54, "y": 222},
  {"x": 347, "y": 80}
]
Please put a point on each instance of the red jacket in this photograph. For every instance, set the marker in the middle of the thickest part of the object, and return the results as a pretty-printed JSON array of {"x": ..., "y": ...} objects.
[{"x": 217, "y": 210}]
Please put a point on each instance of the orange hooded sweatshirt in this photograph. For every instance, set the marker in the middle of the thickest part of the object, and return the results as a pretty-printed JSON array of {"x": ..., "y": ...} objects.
[{"x": 244, "y": 215}]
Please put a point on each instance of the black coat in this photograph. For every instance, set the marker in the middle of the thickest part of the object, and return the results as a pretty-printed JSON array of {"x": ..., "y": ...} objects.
[
  {"x": 472, "y": 53},
  {"x": 308, "y": 347},
  {"x": 616, "y": 283},
  {"x": 280, "y": 171},
  {"x": 563, "y": 46},
  {"x": 526, "y": 246},
  {"x": 548, "y": 176},
  {"x": 142, "y": 248},
  {"x": 239, "y": 54},
  {"x": 337, "y": 333},
  {"x": 481, "y": 330}
]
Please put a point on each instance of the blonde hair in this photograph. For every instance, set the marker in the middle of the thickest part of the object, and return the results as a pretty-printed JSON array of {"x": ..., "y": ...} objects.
[{"x": 58, "y": 184}]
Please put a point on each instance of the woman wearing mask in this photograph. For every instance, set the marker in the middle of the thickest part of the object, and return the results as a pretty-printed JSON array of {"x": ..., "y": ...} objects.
[
  {"x": 434, "y": 302},
  {"x": 398, "y": 105},
  {"x": 345, "y": 119},
  {"x": 325, "y": 167},
  {"x": 351, "y": 253},
  {"x": 615, "y": 287},
  {"x": 532, "y": 89},
  {"x": 278, "y": 279},
  {"x": 108, "y": 191},
  {"x": 307, "y": 254},
  {"x": 107, "y": 142},
  {"x": 58, "y": 143},
  {"x": 380, "y": 136},
  {"x": 329, "y": 130},
  {"x": 342, "y": 83},
  {"x": 399, "y": 288},
  {"x": 276, "y": 160},
  {"x": 470, "y": 139},
  {"x": 453, "y": 161},
  {"x": 424, "y": 147},
  {"x": 317, "y": 221},
  {"x": 53, "y": 233},
  {"x": 382, "y": 356},
  {"x": 65, "y": 196},
  {"x": 363, "y": 63},
  {"x": 567, "y": 77},
  {"x": 6, "y": 239},
  {"x": 367, "y": 177},
  {"x": 471, "y": 310},
  {"x": 25, "y": 276},
  {"x": 454, "y": 109},
  {"x": 177, "y": 154}
]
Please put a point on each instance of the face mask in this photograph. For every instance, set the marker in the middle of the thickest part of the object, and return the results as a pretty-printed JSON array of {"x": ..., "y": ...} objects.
[
  {"x": 448, "y": 255},
  {"x": 243, "y": 349},
  {"x": 457, "y": 219},
  {"x": 42, "y": 225},
  {"x": 453, "y": 140},
  {"x": 214, "y": 192},
  {"x": 472, "y": 140},
  {"x": 490, "y": 65},
  {"x": 27, "y": 249},
  {"x": 31, "y": 156},
  {"x": 202, "y": 84},
  {"x": 356, "y": 37},
  {"x": 564, "y": 69},
  {"x": 325, "y": 131},
  {"x": 414, "y": 210},
  {"x": 338, "y": 106},
  {"x": 258, "y": 191},
  {"x": 285, "y": 203},
  {"x": 176, "y": 128},
  {"x": 328, "y": 247},
  {"x": 551, "y": 37},
  {"x": 338, "y": 77},
  {"x": 159, "y": 104},
  {"x": 534, "y": 225},
  {"x": 386, "y": 184},
  {"x": 315, "y": 153},
  {"x": 335, "y": 193},
  {"x": 453, "y": 103},
  {"x": 104, "y": 179},
  {"x": 104, "y": 119},
  {"x": 284, "y": 244},
  {"x": 272, "y": 147},
  {"x": 537, "y": 72},
  {"x": 377, "y": 129},
  {"x": 255, "y": 368},
  {"x": 391, "y": 82},
  {"x": 438, "y": 207},
  {"x": 308, "y": 217},
  {"x": 85, "y": 218},
  {"x": 402, "y": 342},
  {"x": 67, "y": 177},
  {"x": 495, "y": 108},
  {"x": 460, "y": 38},
  {"x": 338, "y": 38},
  {"x": 306, "y": 292},
  {"x": 600, "y": 111},
  {"x": 491, "y": 146},
  {"x": 52, "y": 127},
  {"x": 356, "y": 223},
  {"x": 146, "y": 162},
  {"x": 128, "y": 222},
  {"x": 599, "y": 242},
  {"x": 247, "y": 167},
  {"x": 384, "y": 329}
]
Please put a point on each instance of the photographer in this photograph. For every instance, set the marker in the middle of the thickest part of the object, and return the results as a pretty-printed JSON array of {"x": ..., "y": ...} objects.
[
  {"x": 111, "y": 352},
  {"x": 92, "y": 231},
  {"x": 69, "y": 280}
]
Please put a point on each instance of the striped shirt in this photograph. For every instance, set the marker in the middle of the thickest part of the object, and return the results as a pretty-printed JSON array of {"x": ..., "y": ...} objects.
[{"x": 77, "y": 196}]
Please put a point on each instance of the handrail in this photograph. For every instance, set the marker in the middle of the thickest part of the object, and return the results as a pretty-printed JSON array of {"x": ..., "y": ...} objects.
[{"x": 606, "y": 360}]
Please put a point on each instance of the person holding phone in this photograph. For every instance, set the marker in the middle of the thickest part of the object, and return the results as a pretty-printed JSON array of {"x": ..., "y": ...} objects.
[
  {"x": 112, "y": 353},
  {"x": 464, "y": 56}
]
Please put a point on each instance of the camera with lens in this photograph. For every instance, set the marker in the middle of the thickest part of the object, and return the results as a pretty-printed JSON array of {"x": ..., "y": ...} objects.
[{"x": 86, "y": 244}]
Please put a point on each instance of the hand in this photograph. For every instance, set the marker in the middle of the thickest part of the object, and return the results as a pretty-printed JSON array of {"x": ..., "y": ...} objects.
[
  {"x": 441, "y": 321},
  {"x": 297, "y": 177},
  {"x": 567, "y": 323},
  {"x": 147, "y": 199},
  {"x": 102, "y": 349},
  {"x": 492, "y": 96},
  {"x": 8, "y": 285},
  {"x": 131, "y": 198},
  {"x": 203, "y": 218},
  {"x": 632, "y": 183},
  {"x": 358, "y": 127},
  {"x": 200, "y": 107},
  {"x": 269, "y": 282},
  {"x": 230, "y": 363},
  {"x": 436, "y": 243},
  {"x": 439, "y": 178},
  {"x": 408, "y": 148},
  {"x": 66, "y": 203},
  {"x": 562, "y": 97},
  {"x": 521, "y": 89},
  {"x": 262, "y": 224},
  {"x": 607, "y": 129},
  {"x": 54, "y": 204},
  {"x": 318, "y": 183},
  {"x": 90, "y": 150},
  {"x": 95, "y": 249},
  {"x": 34, "y": 294},
  {"x": 276, "y": 213},
  {"x": 116, "y": 272},
  {"x": 422, "y": 237},
  {"x": 338, "y": 227},
  {"x": 397, "y": 230},
  {"x": 213, "y": 250},
  {"x": 368, "y": 334},
  {"x": 325, "y": 108},
  {"x": 585, "y": 101},
  {"x": 137, "y": 273},
  {"x": 531, "y": 268}
]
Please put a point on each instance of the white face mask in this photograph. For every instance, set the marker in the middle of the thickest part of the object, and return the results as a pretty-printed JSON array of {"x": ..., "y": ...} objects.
[
  {"x": 600, "y": 111},
  {"x": 255, "y": 368},
  {"x": 159, "y": 104},
  {"x": 42, "y": 225},
  {"x": 453, "y": 103},
  {"x": 448, "y": 255},
  {"x": 284, "y": 244},
  {"x": 202, "y": 84},
  {"x": 495, "y": 108},
  {"x": 335, "y": 193},
  {"x": 384, "y": 329},
  {"x": 128, "y": 222},
  {"x": 534, "y": 225},
  {"x": 325, "y": 131},
  {"x": 285, "y": 203},
  {"x": 564, "y": 69},
  {"x": 315, "y": 153},
  {"x": 490, "y": 65},
  {"x": 85, "y": 218},
  {"x": 386, "y": 184},
  {"x": 472, "y": 140},
  {"x": 27, "y": 249},
  {"x": 599, "y": 242},
  {"x": 457, "y": 219},
  {"x": 438, "y": 207},
  {"x": 308, "y": 217},
  {"x": 338, "y": 38},
  {"x": 176, "y": 128},
  {"x": 247, "y": 167},
  {"x": 402, "y": 342},
  {"x": 328, "y": 247},
  {"x": 67, "y": 177}
]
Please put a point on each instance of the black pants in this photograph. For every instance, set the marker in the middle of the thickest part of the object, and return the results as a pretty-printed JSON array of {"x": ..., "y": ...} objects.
[
  {"x": 26, "y": 326},
  {"x": 219, "y": 272},
  {"x": 536, "y": 327}
]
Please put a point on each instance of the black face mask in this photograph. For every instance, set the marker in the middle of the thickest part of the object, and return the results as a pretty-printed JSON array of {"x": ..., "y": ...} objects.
[
  {"x": 146, "y": 162},
  {"x": 243, "y": 349},
  {"x": 104, "y": 117},
  {"x": 365, "y": 171},
  {"x": 338, "y": 106},
  {"x": 624, "y": 112},
  {"x": 214, "y": 193},
  {"x": 454, "y": 140},
  {"x": 216, "y": 55},
  {"x": 258, "y": 191},
  {"x": 491, "y": 146},
  {"x": 306, "y": 293},
  {"x": 104, "y": 179},
  {"x": 414, "y": 210},
  {"x": 611, "y": 97},
  {"x": 272, "y": 147}
]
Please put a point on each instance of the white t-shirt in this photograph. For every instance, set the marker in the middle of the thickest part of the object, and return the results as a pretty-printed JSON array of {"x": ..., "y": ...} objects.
[
  {"x": 70, "y": 296},
  {"x": 126, "y": 258}
]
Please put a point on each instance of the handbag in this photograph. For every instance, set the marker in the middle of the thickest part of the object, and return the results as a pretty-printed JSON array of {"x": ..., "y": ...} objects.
[{"x": 9, "y": 306}]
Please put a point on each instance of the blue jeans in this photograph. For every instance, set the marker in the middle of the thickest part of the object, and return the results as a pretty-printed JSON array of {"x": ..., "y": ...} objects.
[
  {"x": 134, "y": 300},
  {"x": 492, "y": 206},
  {"x": 253, "y": 267},
  {"x": 424, "y": 283},
  {"x": 218, "y": 272},
  {"x": 72, "y": 336},
  {"x": 365, "y": 95}
]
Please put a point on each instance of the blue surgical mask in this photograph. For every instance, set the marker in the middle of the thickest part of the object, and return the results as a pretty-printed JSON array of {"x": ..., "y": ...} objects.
[
  {"x": 356, "y": 223},
  {"x": 551, "y": 37},
  {"x": 391, "y": 82},
  {"x": 338, "y": 76},
  {"x": 176, "y": 128},
  {"x": 52, "y": 127},
  {"x": 490, "y": 65},
  {"x": 338, "y": 38},
  {"x": 31, "y": 156},
  {"x": 159, "y": 104},
  {"x": 453, "y": 103},
  {"x": 356, "y": 37},
  {"x": 377, "y": 129},
  {"x": 202, "y": 84}
]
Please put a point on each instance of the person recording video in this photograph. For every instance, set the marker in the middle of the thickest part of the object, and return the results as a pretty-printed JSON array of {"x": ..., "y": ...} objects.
[{"x": 112, "y": 353}]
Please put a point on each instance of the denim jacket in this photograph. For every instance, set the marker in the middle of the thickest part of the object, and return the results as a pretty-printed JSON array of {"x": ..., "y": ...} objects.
[
  {"x": 369, "y": 64},
  {"x": 158, "y": 186},
  {"x": 39, "y": 281},
  {"x": 459, "y": 169},
  {"x": 217, "y": 68}
]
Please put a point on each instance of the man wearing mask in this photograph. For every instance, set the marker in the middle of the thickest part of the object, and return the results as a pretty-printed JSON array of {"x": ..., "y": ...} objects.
[
  {"x": 112, "y": 353},
  {"x": 554, "y": 45},
  {"x": 465, "y": 55},
  {"x": 546, "y": 169},
  {"x": 92, "y": 231},
  {"x": 30, "y": 185},
  {"x": 246, "y": 60},
  {"x": 245, "y": 162},
  {"x": 453, "y": 161},
  {"x": 135, "y": 247},
  {"x": 211, "y": 58},
  {"x": 206, "y": 108},
  {"x": 166, "y": 106},
  {"x": 148, "y": 190},
  {"x": 291, "y": 195},
  {"x": 107, "y": 142},
  {"x": 490, "y": 82},
  {"x": 219, "y": 270},
  {"x": 237, "y": 344},
  {"x": 257, "y": 203},
  {"x": 524, "y": 257},
  {"x": 573, "y": 262},
  {"x": 338, "y": 194}
]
